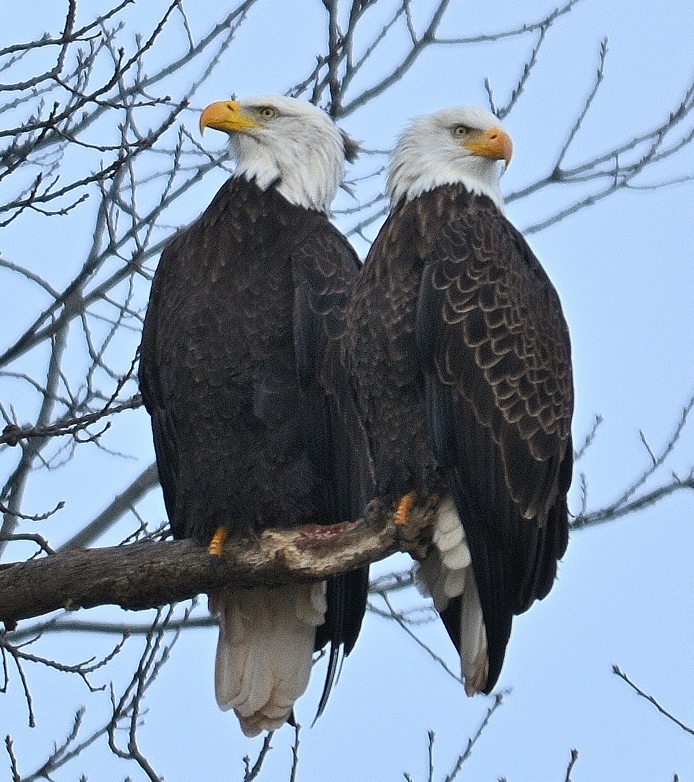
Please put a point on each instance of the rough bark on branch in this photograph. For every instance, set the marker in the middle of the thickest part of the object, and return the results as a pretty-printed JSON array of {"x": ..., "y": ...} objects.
[{"x": 146, "y": 575}]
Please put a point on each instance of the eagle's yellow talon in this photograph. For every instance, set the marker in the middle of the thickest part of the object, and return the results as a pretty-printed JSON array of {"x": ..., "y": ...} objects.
[
  {"x": 217, "y": 543},
  {"x": 404, "y": 507}
]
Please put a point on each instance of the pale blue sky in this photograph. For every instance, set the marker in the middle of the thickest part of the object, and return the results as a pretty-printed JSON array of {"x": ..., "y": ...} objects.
[{"x": 624, "y": 272}]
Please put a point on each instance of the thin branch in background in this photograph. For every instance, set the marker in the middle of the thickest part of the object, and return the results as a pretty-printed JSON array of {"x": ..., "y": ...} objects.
[
  {"x": 295, "y": 754},
  {"x": 62, "y": 753},
  {"x": 467, "y": 752},
  {"x": 503, "y": 111},
  {"x": 13, "y": 491},
  {"x": 412, "y": 617},
  {"x": 643, "y": 501},
  {"x": 588, "y": 439},
  {"x": 8, "y": 650},
  {"x": 654, "y": 459},
  {"x": 599, "y": 77},
  {"x": 396, "y": 615},
  {"x": 354, "y": 67},
  {"x": 60, "y": 624},
  {"x": 617, "y": 168},
  {"x": 12, "y": 434},
  {"x": 32, "y": 537},
  {"x": 572, "y": 763},
  {"x": 498, "y": 700},
  {"x": 128, "y": 707},
  {"x": 34, "y": 517},
  {"x": 583, "y": 478},
  {"x": 425, "y": 39},
  {"x": 392, "y": 582},
  {"x": 29, "y": 275},
  {"x": 151, "y": 660},
  {"x": 362, "y": 225},
  {"x": 251, "y": 772},
  {"x": 531, "y": 27},
  {"x": 13, "y": 760},
  {"x": 431, "y": 736},
  {"x": 143, "y": 534},
  {"x": 616, "y": 670},
  {"x": 629, "y": 500},
  {"x": 83, "y": 669}
]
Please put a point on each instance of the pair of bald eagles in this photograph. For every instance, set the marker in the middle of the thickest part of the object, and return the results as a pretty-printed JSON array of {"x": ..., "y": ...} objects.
[{"x": 289, "y": 386}]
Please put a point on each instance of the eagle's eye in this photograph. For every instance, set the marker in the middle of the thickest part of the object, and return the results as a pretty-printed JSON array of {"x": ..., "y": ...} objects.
[
  {"x": 461, "y": 130},
  {"x": 267, "y": 112}
]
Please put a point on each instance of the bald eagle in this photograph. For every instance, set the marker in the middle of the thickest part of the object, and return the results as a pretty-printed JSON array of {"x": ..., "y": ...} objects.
[
  {"x": 459, "y": 356},
  {"x": 240, "y": 374}
]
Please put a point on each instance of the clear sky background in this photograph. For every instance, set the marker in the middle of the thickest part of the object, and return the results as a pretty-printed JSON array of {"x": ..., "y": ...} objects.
[{"x": 624, "y": 271}]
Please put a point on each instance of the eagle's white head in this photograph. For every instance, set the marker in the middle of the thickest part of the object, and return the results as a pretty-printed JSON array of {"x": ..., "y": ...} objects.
[
  {"x": 285, "y": 142},
  {"x": 458, "y": 145}
]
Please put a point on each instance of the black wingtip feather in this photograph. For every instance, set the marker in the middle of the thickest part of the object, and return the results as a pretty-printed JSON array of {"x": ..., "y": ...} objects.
[
  {"x": 329, "y": 680},
  {"x": 346, "y": 597}
]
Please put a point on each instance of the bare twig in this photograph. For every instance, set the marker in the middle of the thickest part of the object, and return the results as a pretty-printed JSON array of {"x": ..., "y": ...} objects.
[
  {"x": 252, "y": 772},
  {"x": 32, "y": 537},
  {"x": 295, "y": 754},
  {"x": 404, "y": 626},
  {"x": 465, "y": 754},
  {"x": 616, "y": 670},
  {"x": 13, "y": 760},
  {"x": 572, "y": 763},
  {"x": 589, "y": 438},
  {"x": 627, "y": 502},
  {"x": 498, "y": 700}
]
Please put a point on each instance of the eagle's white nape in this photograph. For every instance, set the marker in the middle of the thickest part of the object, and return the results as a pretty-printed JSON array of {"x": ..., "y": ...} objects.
[
  {"x": 428, "y": 155},
  {"x": 301, "y": 151},
  {"x": 447, "y": 573},
  {"x": 265, "y": 650}
]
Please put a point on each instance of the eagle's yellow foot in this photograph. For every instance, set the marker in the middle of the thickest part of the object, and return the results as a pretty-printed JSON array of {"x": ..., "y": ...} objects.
[
  {"x": 217, "y": 543},
  {"x": 404, "y": 507}
]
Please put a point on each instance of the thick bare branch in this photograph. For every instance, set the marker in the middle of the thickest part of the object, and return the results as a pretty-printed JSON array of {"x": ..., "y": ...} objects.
[{"x": 146, "y": 575}]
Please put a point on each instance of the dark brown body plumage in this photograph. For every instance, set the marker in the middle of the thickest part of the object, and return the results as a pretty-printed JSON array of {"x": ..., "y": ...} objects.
[
  {"x": 239, "y": 372},
  {"x": 459, "y": 356}
]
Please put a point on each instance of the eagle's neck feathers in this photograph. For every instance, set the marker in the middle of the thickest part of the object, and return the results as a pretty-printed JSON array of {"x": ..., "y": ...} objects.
[{"x": 306, "y": 168}]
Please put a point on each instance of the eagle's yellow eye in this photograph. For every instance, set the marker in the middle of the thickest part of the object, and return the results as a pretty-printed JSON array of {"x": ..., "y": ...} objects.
[
  {"x": 461, "y": 130},
  {"x": 267, "y": 112}
]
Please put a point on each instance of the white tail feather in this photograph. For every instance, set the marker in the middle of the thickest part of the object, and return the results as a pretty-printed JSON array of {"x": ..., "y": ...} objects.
[
  {"x": 265, "y": 650},
  {"x": 474, "y": 660},
  {"x": 446, "y": 573}
]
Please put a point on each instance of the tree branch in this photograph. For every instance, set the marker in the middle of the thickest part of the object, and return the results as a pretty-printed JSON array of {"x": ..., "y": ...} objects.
[
  {"x": 617, "y": 670},
  {"x": 147, "y": 575},
  {"x": 117, "y": 508}
]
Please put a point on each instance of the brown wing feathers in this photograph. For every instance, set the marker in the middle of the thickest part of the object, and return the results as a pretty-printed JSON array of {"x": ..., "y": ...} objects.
[{"x": 496, "y": 355}]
